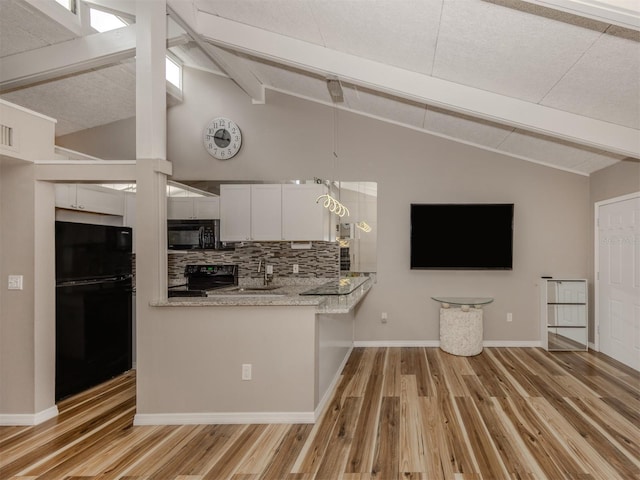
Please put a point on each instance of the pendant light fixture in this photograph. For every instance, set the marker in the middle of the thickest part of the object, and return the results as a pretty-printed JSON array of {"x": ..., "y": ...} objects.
[{"x": 329, "y": 202}]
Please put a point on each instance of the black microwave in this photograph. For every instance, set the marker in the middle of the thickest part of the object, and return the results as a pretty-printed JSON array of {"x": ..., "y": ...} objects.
[{"x": 193, "y": 234}]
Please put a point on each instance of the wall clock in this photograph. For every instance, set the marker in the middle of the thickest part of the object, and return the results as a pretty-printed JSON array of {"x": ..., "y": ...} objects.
[{"x": 222, "y": 138}]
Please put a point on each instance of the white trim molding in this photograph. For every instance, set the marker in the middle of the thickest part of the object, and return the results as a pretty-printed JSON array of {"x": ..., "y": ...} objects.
[
  {"x": 28, "y": 419},
  {"x": 436, "y": 343},
  {"x": 213, "y": 418}
]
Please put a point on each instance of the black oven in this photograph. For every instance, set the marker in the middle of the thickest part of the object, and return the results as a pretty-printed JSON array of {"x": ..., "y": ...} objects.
[
  {"x": 202, "y": 278},
  {"x": 193, "y": 234}
]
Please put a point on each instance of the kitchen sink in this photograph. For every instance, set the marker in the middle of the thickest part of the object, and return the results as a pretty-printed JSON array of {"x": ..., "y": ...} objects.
[
  {"x": 265, "y": 288},
  {"x": 266, "y": 291}
]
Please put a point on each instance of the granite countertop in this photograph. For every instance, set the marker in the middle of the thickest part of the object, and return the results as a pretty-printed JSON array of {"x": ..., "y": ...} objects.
[{"x": 280, "y": 295}]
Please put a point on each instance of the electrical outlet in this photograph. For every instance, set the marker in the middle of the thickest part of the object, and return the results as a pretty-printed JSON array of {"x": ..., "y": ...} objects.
[
  {"x": 384, "y": 317},
  {"x": 296, "y": 269},
  {"x": 15, "y": 282},
  {"x": 246, "y": 371},
  {"x": 269, "y": 269},
  {"x": 509, "y": 317}
]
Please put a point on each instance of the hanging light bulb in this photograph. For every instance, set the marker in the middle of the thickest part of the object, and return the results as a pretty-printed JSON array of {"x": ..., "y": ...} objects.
[
  {"x": 363, "y": 226},
  {"x": 333, "y": 205}
]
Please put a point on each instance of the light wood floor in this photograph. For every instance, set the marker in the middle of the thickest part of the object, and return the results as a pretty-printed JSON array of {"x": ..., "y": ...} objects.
[{"x": 397, "y": 413}]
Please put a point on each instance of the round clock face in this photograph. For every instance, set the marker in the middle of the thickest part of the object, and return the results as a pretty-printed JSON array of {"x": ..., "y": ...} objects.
[{"x": 222, "y": 138}]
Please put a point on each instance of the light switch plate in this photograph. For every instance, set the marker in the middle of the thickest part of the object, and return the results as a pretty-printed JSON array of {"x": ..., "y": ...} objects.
[{"x": 15, "y": 282}]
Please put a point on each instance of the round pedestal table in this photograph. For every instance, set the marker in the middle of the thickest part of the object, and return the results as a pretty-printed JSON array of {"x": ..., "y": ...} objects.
[{"x": 461, "y": 324}]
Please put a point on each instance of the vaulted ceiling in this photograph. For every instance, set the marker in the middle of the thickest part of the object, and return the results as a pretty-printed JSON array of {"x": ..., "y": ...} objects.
[{"x": 522, "y": 79}]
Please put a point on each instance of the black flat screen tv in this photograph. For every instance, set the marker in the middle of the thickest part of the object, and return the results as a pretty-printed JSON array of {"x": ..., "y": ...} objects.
[{"x": 475, "y": 236}]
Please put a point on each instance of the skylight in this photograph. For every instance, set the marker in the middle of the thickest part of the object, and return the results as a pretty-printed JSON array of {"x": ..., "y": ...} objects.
[
  {"x": 68, "y": 4},
  {"x": 103, "y": 21},
  {"x": 174, "y": 73}
]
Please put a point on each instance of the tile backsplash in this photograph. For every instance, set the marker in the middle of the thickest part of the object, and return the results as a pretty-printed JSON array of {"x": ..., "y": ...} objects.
[{"x": 320, "y": 261}]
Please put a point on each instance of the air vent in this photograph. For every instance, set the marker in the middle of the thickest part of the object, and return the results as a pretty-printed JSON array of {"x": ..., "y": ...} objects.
[{"x": 6, "y": 136}]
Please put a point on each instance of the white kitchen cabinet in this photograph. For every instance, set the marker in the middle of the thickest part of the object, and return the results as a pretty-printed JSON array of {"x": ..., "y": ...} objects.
[
  {"x": 89, "y": 198},
  {"x": 187, "y": 208},
  {"x": 235, "y": 213},
  {"x": 303, "y": 218},
  {"x": 266, "y": 212}
]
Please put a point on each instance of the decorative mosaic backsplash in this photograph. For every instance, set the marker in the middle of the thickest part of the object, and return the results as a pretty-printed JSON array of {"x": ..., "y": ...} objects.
[{"x": 320, "y": 261}]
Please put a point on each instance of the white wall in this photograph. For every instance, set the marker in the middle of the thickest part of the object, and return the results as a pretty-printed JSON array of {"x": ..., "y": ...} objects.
[{"x": 292, "y": 138}]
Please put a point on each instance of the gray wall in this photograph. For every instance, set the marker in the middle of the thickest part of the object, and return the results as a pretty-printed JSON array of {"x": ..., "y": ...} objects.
[
  {"x": 27, "y": 316},
  {"x": 292, "y": 138},
  {"x": 614, "y": 181},
  {"x": 114, "y": 141}
]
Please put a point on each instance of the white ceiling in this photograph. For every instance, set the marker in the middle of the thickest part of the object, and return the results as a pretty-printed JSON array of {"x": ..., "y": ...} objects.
[{"x": 565, "y": 66}]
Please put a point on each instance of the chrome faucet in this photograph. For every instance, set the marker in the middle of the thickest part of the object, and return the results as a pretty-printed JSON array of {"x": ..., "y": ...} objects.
[{"x": 267, "y": 279}]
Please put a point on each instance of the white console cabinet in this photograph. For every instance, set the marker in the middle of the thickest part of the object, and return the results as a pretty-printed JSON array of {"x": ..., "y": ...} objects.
[{"x": 564, "y": 314}]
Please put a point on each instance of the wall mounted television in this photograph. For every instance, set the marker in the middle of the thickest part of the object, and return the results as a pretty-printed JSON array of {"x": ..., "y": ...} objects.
[{"x": 476, "y": 236}]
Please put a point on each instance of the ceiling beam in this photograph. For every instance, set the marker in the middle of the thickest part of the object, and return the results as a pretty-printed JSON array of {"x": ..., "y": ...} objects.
[
  {"x": 418, "y": 87},
  {"x": 625, "y": 14},
  {"x": 81, "y": 54},
  {"x": 183, "y": 14}
]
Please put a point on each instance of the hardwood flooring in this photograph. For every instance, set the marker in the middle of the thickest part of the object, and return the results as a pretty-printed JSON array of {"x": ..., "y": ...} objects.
[{"x": 397, "y": 413}]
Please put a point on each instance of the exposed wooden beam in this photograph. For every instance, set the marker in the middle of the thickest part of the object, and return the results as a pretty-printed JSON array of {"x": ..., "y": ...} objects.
[
  {"x": 80, "y": 54},
  {"x": 418, "y": 87},
  {"x": 183, "y": 13}
]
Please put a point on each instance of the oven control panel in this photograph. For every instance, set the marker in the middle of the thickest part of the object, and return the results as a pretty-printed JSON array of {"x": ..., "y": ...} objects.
[{"x": 210, "y": 270}]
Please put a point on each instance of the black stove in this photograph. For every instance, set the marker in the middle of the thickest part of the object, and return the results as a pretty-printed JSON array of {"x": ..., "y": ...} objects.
[{"x": 202, "y": 278}]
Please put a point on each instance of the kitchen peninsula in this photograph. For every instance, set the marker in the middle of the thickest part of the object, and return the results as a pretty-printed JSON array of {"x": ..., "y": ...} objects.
[
  {"x": 247, "y": 356},
  {"x": 331, "y": 296}
]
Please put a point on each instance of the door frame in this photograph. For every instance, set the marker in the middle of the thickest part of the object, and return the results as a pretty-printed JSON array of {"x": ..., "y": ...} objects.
[{"x": 596, "y": 262}]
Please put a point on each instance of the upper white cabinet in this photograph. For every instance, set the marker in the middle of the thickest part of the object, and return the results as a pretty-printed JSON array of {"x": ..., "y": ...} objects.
[
  {"x": 185, "y": 208},
  {"x": 266, "y": 212},
  {"x": 272, "y": 212},
  {"x": 235, "y": 213},
  {"x": 89, "y": 198},
  {"x": 303, "y": 218}
]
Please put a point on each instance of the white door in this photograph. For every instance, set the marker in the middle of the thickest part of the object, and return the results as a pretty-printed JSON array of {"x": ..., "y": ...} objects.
[{"x": 619, "y": 280}]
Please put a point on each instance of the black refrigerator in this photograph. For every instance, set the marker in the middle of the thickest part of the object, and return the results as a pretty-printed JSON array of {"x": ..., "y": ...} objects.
[{"x": 93, "y": 305}]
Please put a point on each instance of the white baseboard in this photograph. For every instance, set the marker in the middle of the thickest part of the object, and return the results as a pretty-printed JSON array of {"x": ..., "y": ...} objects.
[
  {"x": 436, "y": 343},
  {"x": 332, "y": 386},
  {"x": 208, "y": 418},
  {"x": 28, "y": 419},
  {"x": 396, "y": 343},
  {"x": 512, "y": 343}
]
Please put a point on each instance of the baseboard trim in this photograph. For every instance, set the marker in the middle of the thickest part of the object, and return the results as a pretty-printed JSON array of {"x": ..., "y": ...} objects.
[
  {"x": 396, "y": 343},
  {"x": 436, "y": 343},
  {"x": 512, "y": 343},
  {"x": 207, "y": 418},
  {"x": 332, "y": 386},
  {"x": 27, "y": 419}
]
